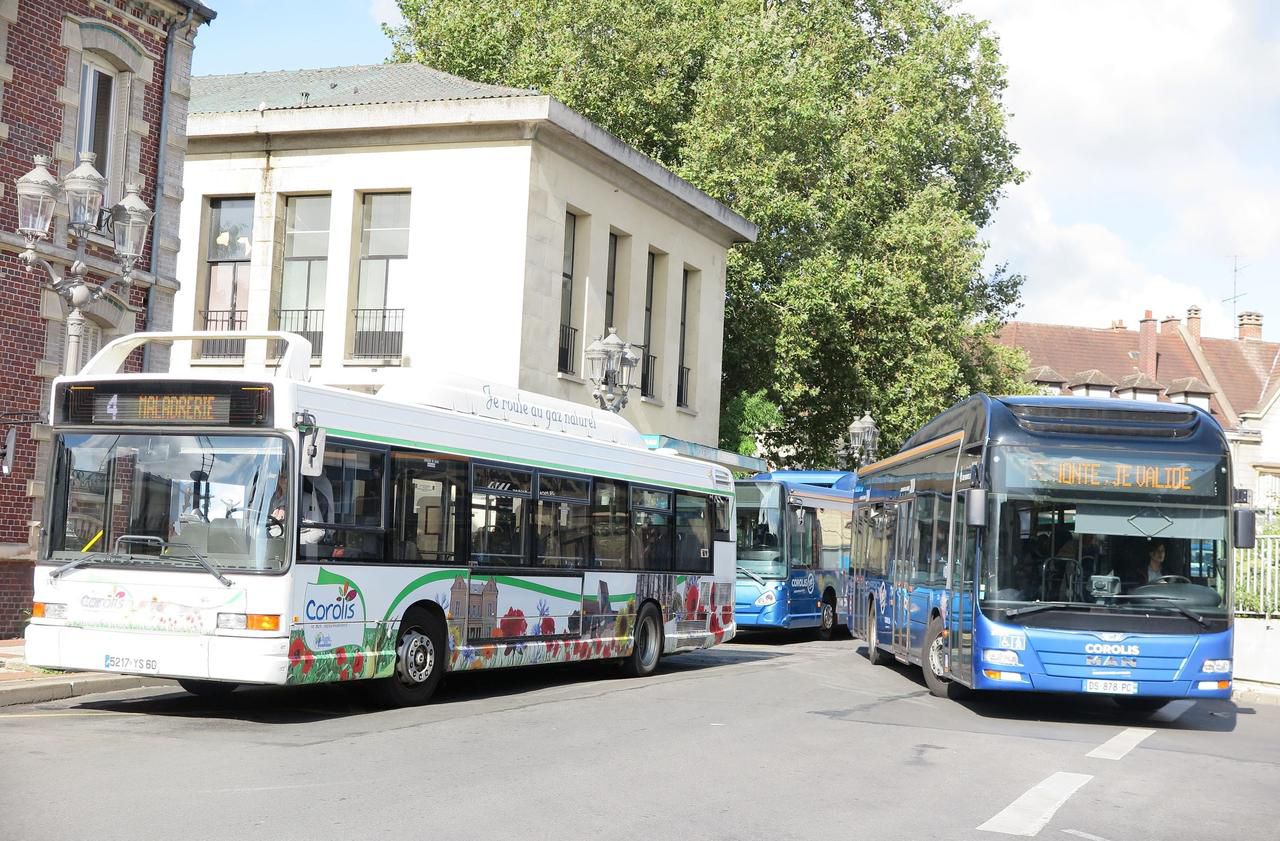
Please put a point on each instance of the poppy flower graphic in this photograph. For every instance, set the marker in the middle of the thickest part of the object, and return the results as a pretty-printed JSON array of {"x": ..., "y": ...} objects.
[
  {"x": 357, "y": 664},
  {"x": 691, "y": 599},
  {"x": 548, "y": 625},
  {"x": 513, "y": 623},
  {"x": 298, "y": 653}
]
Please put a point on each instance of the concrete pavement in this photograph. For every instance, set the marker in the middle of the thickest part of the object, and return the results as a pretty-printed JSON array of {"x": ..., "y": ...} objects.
[{"x": 23, "y": 684}]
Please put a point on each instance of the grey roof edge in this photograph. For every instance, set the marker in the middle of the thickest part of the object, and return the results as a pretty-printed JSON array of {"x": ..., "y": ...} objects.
[
  {"x": 541, "y": 108},
  {"x": 609, "y": 144},
  {"x": 197, "y": 8}
]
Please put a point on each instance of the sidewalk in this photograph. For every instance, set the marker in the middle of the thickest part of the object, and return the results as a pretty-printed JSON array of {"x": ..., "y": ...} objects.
[{"x": 23, "y": 684}]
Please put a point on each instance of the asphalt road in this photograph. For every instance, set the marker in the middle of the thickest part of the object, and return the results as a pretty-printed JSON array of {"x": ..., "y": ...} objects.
[{"x": 780, "y": 738}]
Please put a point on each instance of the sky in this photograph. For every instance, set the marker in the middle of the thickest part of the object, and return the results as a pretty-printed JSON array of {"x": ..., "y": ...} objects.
[{"x": 1149, "y": 131}]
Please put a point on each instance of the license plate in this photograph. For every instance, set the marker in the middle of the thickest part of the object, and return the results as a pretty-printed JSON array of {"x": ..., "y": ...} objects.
[
  {"x": 141, "y": 665},
  {"x": 1111, "y": 687}
]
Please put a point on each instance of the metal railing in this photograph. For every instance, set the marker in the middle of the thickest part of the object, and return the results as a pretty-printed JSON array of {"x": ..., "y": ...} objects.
[
  {"x": 309, "y": 324},
  {"x": 648, "y": 375},
  {"x": 1258, "y": 577},
  {"x": 379, "y": 334},
  {"x": 568, "y": 349},
  {"x": 682, "y": 387},
  {"x": 223, "y": 320}
]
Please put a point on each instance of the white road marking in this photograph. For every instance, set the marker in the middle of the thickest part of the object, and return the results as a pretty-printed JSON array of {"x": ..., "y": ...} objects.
[
  {"x": 1086, "y": 836},
  {"x": 1029, "y": 813},
  {"x": 1120, "y": 744}
]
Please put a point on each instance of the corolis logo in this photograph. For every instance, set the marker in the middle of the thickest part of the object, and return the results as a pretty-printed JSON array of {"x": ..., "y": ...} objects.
[
  {"x": 342, "y": 608},
  {"x": 804, "y": 582},
  {"x": 113, "y": 601},
  {"x": 1105, "y": 648},
  {"x": 334, "y": 616}
]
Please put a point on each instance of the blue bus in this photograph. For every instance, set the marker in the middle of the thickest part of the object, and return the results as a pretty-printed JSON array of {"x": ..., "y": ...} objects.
[
  {"x": 1053, "y": 544},
  {"x": 794, "y": 534}
]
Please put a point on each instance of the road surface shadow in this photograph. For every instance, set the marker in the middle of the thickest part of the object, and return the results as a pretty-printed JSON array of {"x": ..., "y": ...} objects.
[
  {"x": 1210, "y": 715},
  {"x": 305, "y": 704}
]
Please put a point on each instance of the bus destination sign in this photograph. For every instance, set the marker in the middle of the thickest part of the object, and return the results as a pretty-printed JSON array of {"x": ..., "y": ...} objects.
[
  {"x": 1095, "y": 472},
  {"x": 162, "y": 408}
]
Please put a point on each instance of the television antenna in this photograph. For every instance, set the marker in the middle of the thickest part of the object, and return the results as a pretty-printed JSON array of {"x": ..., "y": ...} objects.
[{"x": 1236, "y": 294}]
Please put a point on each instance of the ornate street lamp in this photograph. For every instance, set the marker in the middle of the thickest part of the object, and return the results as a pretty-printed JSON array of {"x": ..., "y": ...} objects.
[
  {"x": 83, "y": 189},
  {"x": 863, "y": 435},
  {"x": 612, "y": 362}
]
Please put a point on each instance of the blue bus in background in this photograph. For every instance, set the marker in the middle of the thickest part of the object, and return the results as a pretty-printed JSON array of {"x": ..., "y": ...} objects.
[
  {"x": 794, "y": 536},
  {"x": 1053, "y": 544}
]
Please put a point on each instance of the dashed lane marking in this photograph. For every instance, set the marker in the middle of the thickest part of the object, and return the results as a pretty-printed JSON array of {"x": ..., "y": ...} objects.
[
  {"x": 1029, "y": 813},
  {"x": 1085, "y": 835},
  {"x": 1120, "y": 744},
  {"x": 89, "y": 713}
]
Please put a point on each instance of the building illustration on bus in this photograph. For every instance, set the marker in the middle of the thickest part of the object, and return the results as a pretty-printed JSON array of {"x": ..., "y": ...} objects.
[
  {"x": 252, "y": 528},
  {"x": 1053, "y": 544}
]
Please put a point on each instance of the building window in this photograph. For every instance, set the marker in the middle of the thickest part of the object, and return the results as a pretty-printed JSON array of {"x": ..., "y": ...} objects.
[
  {"x": 682, "y": 384},
  {"x": 568, "y": 334},
  {"x": 97, "y": 98},
  {"x": 611, "y": 282},
  {"x": 226, "y": 288},
  {"x": 649, "y": 366},
  {"x": 306, "y": 265},
  {"x": 383, "y": 283}
]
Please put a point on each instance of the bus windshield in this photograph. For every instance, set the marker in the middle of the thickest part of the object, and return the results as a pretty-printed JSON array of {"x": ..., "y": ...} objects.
[
  {"x": 1113, "y": 556},
  {"x": 759, "y": 517},
  {"x": 221, "y": 496}
]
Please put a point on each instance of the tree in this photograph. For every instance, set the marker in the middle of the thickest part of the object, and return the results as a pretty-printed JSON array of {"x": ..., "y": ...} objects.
[{"x": 865, "y": 137}]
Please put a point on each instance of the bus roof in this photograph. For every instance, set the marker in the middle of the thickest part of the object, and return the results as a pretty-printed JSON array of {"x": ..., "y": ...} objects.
[{"x": 838, "y": 479}]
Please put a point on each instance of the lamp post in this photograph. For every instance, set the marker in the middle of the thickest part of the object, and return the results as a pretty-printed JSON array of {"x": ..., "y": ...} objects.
[
  {"x": 863, "y": 435},
  {"x": 612, "y": 362},
  {"x": 83, "y": 189}
]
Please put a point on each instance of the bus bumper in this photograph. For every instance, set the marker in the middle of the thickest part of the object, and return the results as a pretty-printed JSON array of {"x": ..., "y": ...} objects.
[
  {"x": 1005, "y": 681},
  {"x": 752, "y": 618},
  {"x": 239, "y": 659}
]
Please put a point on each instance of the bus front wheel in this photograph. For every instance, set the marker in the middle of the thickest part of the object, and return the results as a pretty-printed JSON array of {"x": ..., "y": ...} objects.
[
  {"x": 875, "y": 656},
  {"x": 932, "y": 660},
  {"x": 827, "y": 624},
  {"x": 647, "y": 649},
  {"x": 420, "y": 661}
]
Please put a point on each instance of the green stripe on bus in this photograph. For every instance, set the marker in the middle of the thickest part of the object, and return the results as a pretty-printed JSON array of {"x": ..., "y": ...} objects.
[
  {"x": 527, "y": 462},
  {"x": 438, "y": 575},
  {"x": 327, "y": 577}
]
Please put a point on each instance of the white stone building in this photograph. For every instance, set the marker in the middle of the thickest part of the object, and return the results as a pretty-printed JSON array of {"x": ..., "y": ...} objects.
[{"x": 409, "y": 221}]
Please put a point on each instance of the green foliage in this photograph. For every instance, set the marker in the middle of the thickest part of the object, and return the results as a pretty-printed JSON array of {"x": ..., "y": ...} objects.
[{"x": 865, "y": 137}]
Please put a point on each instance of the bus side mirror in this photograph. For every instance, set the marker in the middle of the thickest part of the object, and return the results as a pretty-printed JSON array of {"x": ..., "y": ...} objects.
[
  {"x": 1245, "y": 527},
  {"x": 975, "y": 507},
  {"x": 313, "y": 453},
  {"x": 10, "y": 445}
]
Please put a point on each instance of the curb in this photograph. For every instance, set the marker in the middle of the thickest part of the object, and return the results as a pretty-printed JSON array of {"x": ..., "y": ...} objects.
[
  {"x": 1256, "y": 693},
  {"x": 56, "y": 688}
]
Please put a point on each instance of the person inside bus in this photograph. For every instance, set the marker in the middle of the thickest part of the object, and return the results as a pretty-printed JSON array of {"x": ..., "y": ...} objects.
[
  {"x": 1155, "y": 561},
  {"x": 317, "y": 506}
]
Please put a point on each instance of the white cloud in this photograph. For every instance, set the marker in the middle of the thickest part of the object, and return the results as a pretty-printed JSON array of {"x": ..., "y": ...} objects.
[{"x": 385, "y": 11}]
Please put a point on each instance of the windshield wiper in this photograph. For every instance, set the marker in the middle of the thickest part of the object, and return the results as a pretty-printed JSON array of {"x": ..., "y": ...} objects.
[
  {"x": 749, "y": 574},
  {"x": 1011, "y": 612},
  {"x": 1174, "y": 603},
  {"x": 167, "y": 544},
  {"x": 94, "y": 558}
]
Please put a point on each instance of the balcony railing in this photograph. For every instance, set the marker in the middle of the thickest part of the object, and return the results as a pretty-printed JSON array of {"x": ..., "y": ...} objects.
[
  {"x": 568, "y": 349},
  {"x": 223, "y": 320},
  {"x": 309, "y": 324},
  {"x": 379, "y": 334},
  {"x": 648, "y": 375},
  {"x": 682, "y": 388}
]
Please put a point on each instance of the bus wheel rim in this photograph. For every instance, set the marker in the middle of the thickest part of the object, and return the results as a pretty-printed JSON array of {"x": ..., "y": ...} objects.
[
  {"x": 417, "y": 657},
  {"x": 828, "y": 616},
  {"x": 935, "y": 656}
]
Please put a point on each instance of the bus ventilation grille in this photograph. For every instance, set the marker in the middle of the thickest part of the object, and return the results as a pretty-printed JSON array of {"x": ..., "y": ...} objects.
[{"x": 1133, "y": 422}]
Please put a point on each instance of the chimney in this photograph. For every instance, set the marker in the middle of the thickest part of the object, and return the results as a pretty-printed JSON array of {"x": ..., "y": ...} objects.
[
  {"x": 1147, "y": 345},
  {"x": 1193, "y": 323},
  {"x": 1170, "y": 324},
  {"x": 1117, "y": 324},
  {"x": 1249, "y": 325}
]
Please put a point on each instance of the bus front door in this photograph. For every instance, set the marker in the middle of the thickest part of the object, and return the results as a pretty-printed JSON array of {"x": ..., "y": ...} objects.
[{"x": 901, "y": 617}]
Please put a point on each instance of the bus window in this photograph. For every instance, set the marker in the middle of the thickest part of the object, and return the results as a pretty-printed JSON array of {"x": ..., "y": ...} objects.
[
  {"x": 341, "y": 509},
  {"x": 693, "y": 534},
  {"x": 803, "y": 528},
  {"x": 609, "y": 524},
  {"x": 562, "y": 521},
  {"x": 428, "y": 490},
  {"x": 651, "y": 529},
  {"x": 499, "y": 515},
  {"x": 834, "y": 546}
]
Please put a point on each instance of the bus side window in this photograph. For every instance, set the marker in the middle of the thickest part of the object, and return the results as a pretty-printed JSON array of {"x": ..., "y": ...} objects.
[
  {"x": 428, "y": 489},
  {"x": 500, "y": 514},
  {"x": 803, "y": 528},
  {"x": 652, "y": 533},
  {"x": 341, "y": 509},
  {"x": 609, "y": 519},
  {"x": 693, "y": 534}
]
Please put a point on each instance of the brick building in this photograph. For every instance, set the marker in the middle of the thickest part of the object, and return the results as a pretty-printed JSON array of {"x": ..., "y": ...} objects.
[
  {"x": 110, "y": 77},
  {"x": 1236, "y": 379}
]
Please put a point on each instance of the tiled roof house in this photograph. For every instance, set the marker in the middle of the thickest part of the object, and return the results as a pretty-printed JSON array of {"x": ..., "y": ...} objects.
[{"x": 1238, "y": 379}]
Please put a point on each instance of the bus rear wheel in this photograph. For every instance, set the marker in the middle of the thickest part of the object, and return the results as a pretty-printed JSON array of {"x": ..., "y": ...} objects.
[
  {"x": 207, "y": 688},
  {"x": 419, "y": 663},
  {"x": 932, "y": 660},
  {"x": 875, "y": 656},
  {"x": 827, "y": 624},
  {"x": 647, "y": 650}
]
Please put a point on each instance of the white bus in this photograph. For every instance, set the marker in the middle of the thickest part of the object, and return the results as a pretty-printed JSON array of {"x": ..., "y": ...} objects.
[{"x": 225, "y": 528}]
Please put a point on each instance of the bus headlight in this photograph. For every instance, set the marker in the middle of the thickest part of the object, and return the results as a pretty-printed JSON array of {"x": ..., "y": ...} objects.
[
  {"x": 1000, "y": 657},
  {"x": 766, "y": 598},
  {"x": 249, "y": 621},
  {"x": 48, "y": 610},
  {"x": 1217, "y": 667}
]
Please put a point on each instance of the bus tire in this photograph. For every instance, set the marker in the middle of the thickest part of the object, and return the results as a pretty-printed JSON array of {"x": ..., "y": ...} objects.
[
  {"x": 647, "y": 648},
  {"x": 207, "y": 688},
  {"x": 931, "y": 660},
  {"x": 420, "y": 661},
  {"x": 827, "y": 624},
  {"x": 875, "y": 656}
]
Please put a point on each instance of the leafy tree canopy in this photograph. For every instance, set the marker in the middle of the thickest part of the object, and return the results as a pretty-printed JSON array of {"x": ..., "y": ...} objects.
[{"x": 867, "y": 138}]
